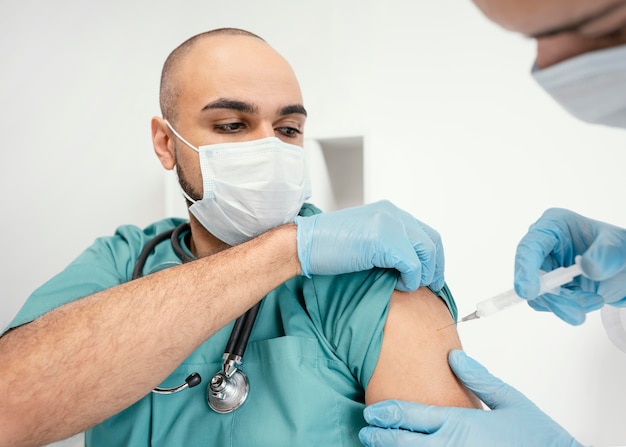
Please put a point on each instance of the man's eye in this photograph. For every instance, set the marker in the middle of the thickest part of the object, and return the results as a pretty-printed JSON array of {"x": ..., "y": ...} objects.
[
  {"x": 229, "y": 127},
  {"x": 290, "y": 132}
]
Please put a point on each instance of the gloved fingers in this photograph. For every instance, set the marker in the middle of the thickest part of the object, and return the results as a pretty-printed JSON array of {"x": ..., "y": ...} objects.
[
  {"x": 396, "y": 241},
  {"x": 588, "y": 301},
  {"x": 433, "y": 272},
  {"x": 612, "y": 290},
  {"x": 420, "y": 261},
  {"x": 407, "y": 282},
  {"x": 606, "y": 256},
  {"x": 426, "y": 251},
  {"x": 529, "y": 258},
  {"x": 429, "y": 249},
  {"x": 376, "y": 235},
  {"x": 490, "y": 389},
  {"x": 411, "y": 416},
  {"x": 438, "y": 279},
  {"x": 538, "y": 305},
  {"x": 426, "y": 244},
  {"x": 552, "y": 241},
  {"x": 564, "y": 307},
  {"x": 382, "y": 437},
  {"x": 409, "y": 265},
  {"x": 618, "y": 303},
  {"x": 572, "y": 305}
]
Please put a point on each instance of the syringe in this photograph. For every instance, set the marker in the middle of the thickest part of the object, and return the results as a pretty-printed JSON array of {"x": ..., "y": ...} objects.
[{"x": 548, "y": 282}]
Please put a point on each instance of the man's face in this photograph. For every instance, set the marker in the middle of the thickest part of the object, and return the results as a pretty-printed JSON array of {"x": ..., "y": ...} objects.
[
  {"x": 233, "y": 89},
  {"x": 562, "y": 28}
]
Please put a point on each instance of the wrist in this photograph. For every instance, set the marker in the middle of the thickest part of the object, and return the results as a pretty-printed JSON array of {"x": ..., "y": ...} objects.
[
  {"x": 304, "y": 227},
  {"x": 283, "y": 245}
]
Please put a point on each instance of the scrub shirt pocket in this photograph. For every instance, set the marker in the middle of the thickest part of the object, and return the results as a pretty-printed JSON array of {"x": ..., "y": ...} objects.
[{"x": 289, "y": 403}]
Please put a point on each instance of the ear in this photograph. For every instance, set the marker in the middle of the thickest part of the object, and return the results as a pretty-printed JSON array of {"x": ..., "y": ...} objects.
[{"x": 163, "y": 143}]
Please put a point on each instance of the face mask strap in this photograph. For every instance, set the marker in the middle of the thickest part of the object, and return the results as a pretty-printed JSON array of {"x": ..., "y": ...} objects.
[
  {"x": 180, "y": 137},
  {"x": 187, "y": 196}
]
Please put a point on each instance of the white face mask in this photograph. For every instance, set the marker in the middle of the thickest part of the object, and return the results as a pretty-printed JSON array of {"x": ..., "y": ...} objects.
[
  {"x": 249, "y": 187},
  {"x": 591, "y": 87}
]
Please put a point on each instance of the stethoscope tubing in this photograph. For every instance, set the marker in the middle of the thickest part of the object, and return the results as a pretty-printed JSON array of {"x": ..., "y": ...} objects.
[{"x": 240, "y": 334}]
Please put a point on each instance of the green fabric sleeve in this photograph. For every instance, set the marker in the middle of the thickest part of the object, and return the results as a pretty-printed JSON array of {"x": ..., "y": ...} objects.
[{"x": 351, "y": 311}]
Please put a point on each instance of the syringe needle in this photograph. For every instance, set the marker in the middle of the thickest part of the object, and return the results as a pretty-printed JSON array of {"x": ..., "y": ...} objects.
[
  {"x": 474, "y": 315},
  {"x": 447, "y": 325}
]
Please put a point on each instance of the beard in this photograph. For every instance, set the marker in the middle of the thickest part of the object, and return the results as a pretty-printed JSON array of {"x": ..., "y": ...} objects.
[{"x": 185, "y": 185}]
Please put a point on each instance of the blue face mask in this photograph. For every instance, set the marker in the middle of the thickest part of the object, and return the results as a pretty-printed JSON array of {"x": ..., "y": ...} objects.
[
  {"x": 249, "y": 187},
  {"x": 591, "y": 87}
]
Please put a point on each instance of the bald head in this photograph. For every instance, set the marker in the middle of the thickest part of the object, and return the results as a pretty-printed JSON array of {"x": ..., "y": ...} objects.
[
  {"x": 226, "y": 85},
  {"x": 170, "y": 82}
]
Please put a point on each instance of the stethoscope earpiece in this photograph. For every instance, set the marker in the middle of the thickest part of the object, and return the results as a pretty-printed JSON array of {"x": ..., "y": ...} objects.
[{"x": 192, "y": 380}]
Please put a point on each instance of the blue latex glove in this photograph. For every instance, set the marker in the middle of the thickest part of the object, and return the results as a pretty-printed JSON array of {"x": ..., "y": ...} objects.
[
  {"x": 554, "y": 241},
  {"x": 375, "y": 235},
  {"x": 513, "y": 421}
]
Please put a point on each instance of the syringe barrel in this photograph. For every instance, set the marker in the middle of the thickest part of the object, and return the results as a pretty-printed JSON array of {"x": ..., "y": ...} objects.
[
  {"x": 559, "y": 276},
  {"x": 549, "y": 281},
  {"x": 497, "y": 303}
]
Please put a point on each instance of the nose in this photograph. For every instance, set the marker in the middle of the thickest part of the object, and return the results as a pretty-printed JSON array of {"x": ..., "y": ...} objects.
[{"x": 264, "y": 129}]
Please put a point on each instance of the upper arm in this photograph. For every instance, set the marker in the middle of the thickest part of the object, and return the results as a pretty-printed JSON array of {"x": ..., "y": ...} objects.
[{"x": 413, "y": 361}]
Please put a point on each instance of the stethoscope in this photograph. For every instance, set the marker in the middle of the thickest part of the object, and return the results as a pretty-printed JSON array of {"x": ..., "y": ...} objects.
[{"x": 228, "y": 388}]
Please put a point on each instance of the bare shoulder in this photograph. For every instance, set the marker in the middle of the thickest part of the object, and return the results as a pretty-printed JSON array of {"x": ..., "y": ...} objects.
[{"x": 413, "y": 363}]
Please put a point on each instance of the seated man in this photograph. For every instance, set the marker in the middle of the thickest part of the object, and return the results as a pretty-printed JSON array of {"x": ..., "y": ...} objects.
[{"x": 321, "y": 347}]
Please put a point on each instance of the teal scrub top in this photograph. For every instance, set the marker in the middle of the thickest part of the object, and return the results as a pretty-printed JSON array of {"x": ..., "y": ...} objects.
[{"x": 311, "y": 354}]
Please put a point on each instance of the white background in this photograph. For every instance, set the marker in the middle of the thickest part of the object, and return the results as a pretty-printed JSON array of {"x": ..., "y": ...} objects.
[{"x": 455, "y": 131}]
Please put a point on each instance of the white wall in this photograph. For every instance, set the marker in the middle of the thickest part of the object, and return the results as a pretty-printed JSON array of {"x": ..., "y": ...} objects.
[{"x": 455, "y": 131}]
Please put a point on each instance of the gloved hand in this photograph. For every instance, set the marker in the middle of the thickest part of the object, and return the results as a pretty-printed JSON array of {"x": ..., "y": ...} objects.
[
  {"x": 554, "y": 241},
  {"x": 513, "y": 421},
  {"x": 375, "y": 235}
]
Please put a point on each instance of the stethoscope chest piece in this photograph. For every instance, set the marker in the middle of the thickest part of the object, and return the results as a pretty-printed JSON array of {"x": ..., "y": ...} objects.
[{"x": 225, "y": 394}]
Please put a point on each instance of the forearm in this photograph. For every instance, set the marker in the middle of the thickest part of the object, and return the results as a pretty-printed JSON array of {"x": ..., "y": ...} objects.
[{"x": 89, "y": 359}]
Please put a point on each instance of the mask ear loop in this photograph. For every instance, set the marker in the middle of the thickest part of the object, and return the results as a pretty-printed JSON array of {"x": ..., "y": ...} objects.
[
  {"x": 180, "y": 137},
  {"x": 186, "y": 195}
]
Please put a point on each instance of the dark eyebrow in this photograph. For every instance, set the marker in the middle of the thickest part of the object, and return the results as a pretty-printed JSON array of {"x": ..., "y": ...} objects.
[
  {"x": 231, "y": 104},
  {"x": 240, "y": 106},
  {"x": 291, "y": 109},
  {"x": 572, "y": 27}
]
